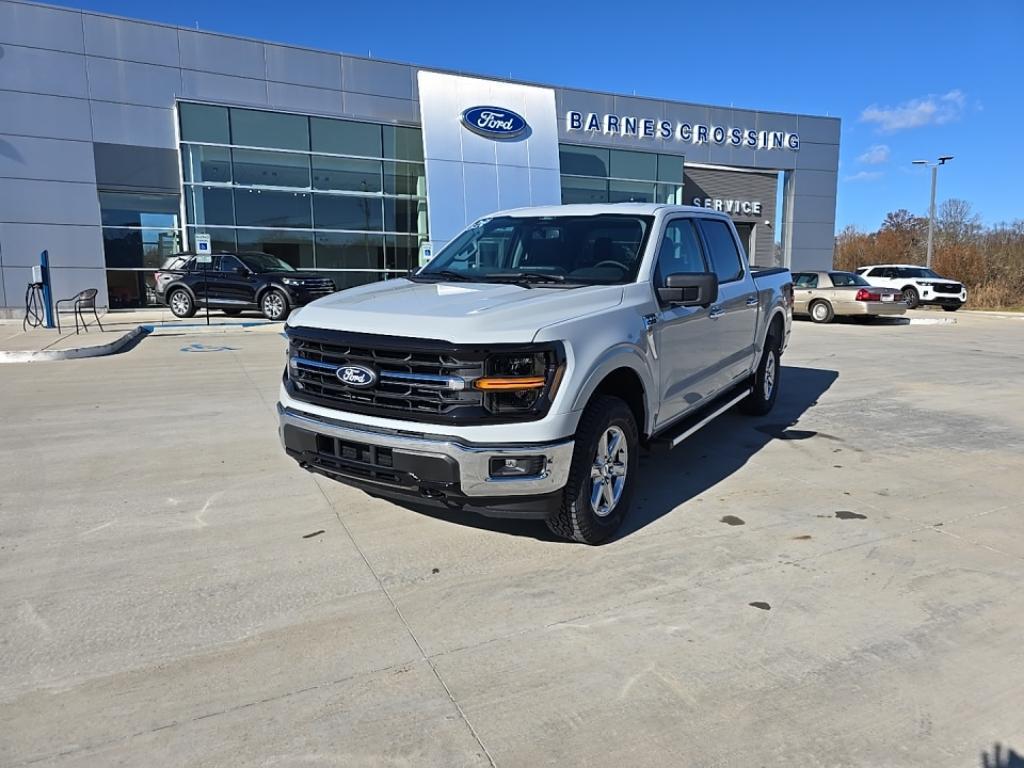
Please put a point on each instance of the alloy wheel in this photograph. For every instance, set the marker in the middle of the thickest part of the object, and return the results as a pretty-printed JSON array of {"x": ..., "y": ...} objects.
[
  {"x": 769, "y": 376},
  {"x": 180, "y": 303},
  {"x": 273, "y": 305},
  {"x": 608, "y": 473}
]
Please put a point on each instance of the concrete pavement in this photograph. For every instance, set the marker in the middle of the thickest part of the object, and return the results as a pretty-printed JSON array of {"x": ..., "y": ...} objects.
[{"x": 836, "y": 583}]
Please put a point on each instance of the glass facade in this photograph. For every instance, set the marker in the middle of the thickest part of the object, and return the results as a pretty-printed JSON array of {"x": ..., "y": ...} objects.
[
  {"x": 596, "y": 175},
  {"x": 139, "y": 232},
  {"x": 338, "y": 196}
]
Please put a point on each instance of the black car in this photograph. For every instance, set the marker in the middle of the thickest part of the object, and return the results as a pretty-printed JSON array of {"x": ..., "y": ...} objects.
[{"x": 234, "y": 282}]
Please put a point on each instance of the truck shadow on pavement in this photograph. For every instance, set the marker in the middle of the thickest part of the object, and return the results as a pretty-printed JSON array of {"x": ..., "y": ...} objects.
[
  {"x": 1000, "y": 759},
  {"x": 670, "y": 478}
]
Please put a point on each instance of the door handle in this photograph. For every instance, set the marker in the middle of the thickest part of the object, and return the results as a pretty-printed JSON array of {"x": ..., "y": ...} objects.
[
  {"x": 716, "y": 312},
  {"x": 752, "y": 301}
]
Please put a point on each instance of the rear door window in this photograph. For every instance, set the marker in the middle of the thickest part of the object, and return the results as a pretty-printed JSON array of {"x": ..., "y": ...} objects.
[
  {"x": 194, "y": 265},
  {"x": 725, "y": 256},
  {"x": 805, "y": 280},
  {"x": 846, "y": 279}
]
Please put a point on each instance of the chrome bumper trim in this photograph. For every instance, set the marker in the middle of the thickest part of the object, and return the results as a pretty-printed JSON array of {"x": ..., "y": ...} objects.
[{"x": 473, "y": 460}]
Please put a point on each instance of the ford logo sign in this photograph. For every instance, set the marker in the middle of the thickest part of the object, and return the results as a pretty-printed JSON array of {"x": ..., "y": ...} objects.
[
  {"x": 495, "y": 122},
  {"x": 357, "y": 376}
]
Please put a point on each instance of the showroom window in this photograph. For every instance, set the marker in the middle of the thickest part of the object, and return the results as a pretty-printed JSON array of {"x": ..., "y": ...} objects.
[
  {"x": 339, "y": 196},
  {"x": 597, "y": 175},
  {"x": 139, "y": 232}
]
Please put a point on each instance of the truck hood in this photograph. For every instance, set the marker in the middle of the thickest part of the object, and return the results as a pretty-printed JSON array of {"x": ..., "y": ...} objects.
[{"x": 468, "y": 313}]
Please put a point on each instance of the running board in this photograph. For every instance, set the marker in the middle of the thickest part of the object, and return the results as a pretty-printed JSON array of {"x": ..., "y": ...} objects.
[{"x": 696, "y": 422}]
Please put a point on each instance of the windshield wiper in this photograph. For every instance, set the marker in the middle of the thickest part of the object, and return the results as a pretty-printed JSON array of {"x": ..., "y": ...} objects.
[
  {"x": 448, "y": 273},
  {"x": 524, "y": 278}
]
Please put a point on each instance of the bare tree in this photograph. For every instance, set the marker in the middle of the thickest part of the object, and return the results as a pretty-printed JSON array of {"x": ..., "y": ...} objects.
[
  {"x": 956, "y": 222},
  {"x": 989, "y": 260}
]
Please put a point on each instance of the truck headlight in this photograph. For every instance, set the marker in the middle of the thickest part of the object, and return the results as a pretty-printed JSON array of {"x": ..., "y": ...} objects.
[
  {"x": 517, "y": 382},
  {"x": 292, "y": 281}
]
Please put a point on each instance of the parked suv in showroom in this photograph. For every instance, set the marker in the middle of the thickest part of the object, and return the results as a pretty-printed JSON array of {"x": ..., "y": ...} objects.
[
  {"x": 919, "y": 285},
  {"x": 235, "y": 282}
]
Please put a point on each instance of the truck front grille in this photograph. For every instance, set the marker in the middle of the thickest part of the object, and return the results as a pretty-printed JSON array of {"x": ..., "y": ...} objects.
[
  {"x": 948, "y": 288},
  {"x": 416, "y": 378}
]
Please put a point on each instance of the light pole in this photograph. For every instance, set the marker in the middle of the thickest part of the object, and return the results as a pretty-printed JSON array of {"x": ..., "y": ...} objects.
[{"x": 931, "y": 210}]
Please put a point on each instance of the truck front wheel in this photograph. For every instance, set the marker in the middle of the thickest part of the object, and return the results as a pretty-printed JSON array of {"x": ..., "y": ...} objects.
[{"x": 597, "y": 496}]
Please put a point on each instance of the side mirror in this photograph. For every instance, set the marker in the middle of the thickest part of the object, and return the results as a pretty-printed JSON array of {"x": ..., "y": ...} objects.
[{"x": 689, "y": 289}]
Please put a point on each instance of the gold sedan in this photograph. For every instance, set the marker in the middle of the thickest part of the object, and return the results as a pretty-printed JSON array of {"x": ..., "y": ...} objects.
[{"x": 823, "y": 295}]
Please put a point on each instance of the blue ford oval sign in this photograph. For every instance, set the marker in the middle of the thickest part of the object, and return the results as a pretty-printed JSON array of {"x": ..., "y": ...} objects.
[
  {"x": 494, "y": 122},
  {"x": 357, "y": 376}
]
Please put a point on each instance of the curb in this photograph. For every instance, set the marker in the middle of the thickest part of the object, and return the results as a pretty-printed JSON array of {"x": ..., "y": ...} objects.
[
  {"x": 184, "y": 329},
  {"x": 136, "y": 334},
  {"x": 101, "y": 350}
]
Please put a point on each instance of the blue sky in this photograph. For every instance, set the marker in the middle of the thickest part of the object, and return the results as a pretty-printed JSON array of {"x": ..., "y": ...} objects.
[{"x": 909, "y": 79}]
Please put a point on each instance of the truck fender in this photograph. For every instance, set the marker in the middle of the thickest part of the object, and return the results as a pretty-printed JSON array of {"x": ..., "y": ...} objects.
[
  {"x": 622, "y": 355},
  {"x": 184, "y": 286},
  {"x": 777, "y": 312}
]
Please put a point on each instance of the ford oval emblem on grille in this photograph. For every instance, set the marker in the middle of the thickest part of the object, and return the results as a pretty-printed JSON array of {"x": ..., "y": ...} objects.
[
  {"x": 357, "y": 376},
  {"x": 495, "y": 122}
]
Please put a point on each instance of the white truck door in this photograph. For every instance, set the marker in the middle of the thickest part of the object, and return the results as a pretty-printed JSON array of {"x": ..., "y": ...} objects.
[
  {"x": 734, "y": 316},
  {"x": 686, "y": 348}
]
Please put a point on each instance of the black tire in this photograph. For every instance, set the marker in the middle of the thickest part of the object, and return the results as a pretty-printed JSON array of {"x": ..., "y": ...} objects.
[
  {"x": 911, "y": 297},
  {"x": 181, "y": 303},
  {"x": 577, "y": 519},
  {"x": 821, "y": 311},
  {"x": 949, "y": 308},
  {"x": 274, "y": 305},
  {"x": 765, "y": 381},
  {"x": 232, "y": 312}
]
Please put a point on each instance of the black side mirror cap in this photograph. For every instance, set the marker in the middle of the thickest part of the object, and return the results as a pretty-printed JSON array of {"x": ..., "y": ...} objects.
[{"x": 689, "y": 289}]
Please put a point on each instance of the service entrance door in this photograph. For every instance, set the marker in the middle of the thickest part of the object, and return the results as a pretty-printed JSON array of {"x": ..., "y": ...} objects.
[{"x": 746, "y": 233}]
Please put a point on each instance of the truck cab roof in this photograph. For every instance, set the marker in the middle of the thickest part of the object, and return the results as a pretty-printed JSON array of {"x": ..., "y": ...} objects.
[{"x": 598, "y": 209}]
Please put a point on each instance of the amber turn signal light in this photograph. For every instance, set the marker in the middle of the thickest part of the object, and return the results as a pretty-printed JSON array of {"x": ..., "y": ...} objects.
[{"x": 512, "y": 383}]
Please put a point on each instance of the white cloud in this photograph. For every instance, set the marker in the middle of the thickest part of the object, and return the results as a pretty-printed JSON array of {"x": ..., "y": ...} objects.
[
  {"x": 926, "y": 110},
  {"x": 876, "y": 155},
  {"x": 865, "y": 176}
]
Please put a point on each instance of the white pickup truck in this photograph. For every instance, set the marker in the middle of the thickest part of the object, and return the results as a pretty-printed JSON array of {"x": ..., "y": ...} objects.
[{"x": 521, "y": 371}]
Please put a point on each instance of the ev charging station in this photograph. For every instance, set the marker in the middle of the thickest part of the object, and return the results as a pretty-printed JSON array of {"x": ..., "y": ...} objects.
[{"x": 39, "y": 297}]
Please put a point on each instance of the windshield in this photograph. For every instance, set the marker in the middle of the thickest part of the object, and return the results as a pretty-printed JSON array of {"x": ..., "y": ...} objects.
[
  {"x": 604, "y": 249},
  {"x": 264, "y": 262},
  {"x": 842, "y": 279},
  {"x": 917, "y": 272}
]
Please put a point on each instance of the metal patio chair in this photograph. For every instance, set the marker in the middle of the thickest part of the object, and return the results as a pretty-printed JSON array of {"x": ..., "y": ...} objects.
[{"x": 82, "y": 300}]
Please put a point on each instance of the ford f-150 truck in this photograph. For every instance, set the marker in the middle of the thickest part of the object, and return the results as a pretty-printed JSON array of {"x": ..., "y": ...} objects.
[{"x": 521, "y": 371}]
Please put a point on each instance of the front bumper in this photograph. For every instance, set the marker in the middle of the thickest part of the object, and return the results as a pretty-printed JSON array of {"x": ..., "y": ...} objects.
[
  {"x": 931, "y": 296},
  {"x": 300, "y": 297},
  {"x": 944, "y": 301},
  {"x": 425, "y": 467}
]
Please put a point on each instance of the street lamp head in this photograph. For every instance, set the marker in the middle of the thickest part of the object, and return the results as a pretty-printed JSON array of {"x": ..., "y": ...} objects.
[
  {"x": 944, "y": 158},
  {"x": 919, "y": 162}
]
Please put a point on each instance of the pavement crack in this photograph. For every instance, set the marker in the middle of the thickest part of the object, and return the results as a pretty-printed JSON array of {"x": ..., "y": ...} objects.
[{"x": 419, "y": 646}]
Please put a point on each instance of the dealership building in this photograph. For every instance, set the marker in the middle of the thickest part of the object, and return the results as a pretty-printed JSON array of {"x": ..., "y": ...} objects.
[{"x": 121, "y": 140}]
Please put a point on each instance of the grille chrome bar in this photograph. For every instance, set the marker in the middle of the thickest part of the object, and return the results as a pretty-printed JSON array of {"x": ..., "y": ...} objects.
[
  {"x": 456, "y": 383},
  {"x": 429, "y": 380}
]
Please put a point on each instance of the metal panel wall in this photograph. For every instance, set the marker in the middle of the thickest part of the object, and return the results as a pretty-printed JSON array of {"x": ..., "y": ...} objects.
[{"x": 470, "y": 175}]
